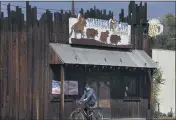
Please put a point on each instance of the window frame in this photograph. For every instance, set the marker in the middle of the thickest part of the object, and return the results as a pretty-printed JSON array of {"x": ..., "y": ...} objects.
[{"x": 133, "y": 94}]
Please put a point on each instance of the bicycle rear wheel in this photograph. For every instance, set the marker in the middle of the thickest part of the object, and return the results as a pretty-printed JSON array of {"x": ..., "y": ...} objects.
[
  {"x": 97, "y": 115},
  {"x": 75, "y": 115}
]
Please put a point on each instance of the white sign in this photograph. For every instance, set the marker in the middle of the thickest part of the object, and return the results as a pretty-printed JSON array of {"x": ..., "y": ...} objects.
[
  {"x": 104, "y": 31},
  {"x": 70, "y": 87}
]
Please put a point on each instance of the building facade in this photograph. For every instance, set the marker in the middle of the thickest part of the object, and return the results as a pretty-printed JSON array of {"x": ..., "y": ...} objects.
[
  {"x": 35, "y": 52},
  {"x": 166, "y": 61}
]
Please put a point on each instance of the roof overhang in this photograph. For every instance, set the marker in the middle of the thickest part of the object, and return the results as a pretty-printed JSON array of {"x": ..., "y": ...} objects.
[{"x": 68, "y": 54}]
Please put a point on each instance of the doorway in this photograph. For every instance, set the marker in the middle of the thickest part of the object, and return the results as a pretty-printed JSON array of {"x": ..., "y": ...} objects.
[{"x": 101, "y": 87}]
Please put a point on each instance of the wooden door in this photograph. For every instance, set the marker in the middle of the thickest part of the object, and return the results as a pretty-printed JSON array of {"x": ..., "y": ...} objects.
[
  {"x": 100, "y": 85},
  {"x": 104, "y": 95}
]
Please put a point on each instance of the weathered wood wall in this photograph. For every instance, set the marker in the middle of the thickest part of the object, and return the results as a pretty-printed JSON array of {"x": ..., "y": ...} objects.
[{"x": 25, "y": 85}]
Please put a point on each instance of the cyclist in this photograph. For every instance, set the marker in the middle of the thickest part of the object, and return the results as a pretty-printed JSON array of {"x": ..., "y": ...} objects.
[{"x": 88, "y": 98}]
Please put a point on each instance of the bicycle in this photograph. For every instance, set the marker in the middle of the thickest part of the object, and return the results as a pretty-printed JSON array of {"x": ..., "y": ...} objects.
[{"x": 80, "y": 114}]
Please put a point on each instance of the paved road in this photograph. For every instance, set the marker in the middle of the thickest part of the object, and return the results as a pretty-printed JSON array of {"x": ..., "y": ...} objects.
[{"x": 129, "y": 119}]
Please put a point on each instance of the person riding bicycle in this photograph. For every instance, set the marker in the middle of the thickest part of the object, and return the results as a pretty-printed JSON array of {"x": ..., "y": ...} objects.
[{"x": 88, "y": 98}]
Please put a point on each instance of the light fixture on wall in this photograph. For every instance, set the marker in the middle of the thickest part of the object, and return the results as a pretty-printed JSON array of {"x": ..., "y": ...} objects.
[
  {"x": 76, "y": 58},
  {"x": 105, "y": 59},
  {"x": 157, "y": 62},
  {"x": 120, "y": 60},
  {"x": 145, "y": 64}
]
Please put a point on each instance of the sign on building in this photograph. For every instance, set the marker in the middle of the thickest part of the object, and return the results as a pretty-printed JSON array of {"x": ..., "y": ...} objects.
[
  {"x": 70, "y": 87},
  {"x": 98, "y": 30},
  {"x": 155, "y": 28}
]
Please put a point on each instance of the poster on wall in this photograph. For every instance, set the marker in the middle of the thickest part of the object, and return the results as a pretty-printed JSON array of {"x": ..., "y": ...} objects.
[
  {"x": 55, "y": 87},
  {"x": 99, "y": 31},
  {"x": 70, "y": 87}
]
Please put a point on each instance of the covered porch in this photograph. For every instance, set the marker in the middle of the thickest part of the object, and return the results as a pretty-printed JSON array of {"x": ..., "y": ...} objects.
[{"x": 108, "y": 71}]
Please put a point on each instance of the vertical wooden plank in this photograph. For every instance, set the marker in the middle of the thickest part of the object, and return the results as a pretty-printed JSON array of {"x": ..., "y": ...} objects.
[
  {"x": 10, "y": 81},
  {"x": 1, "y": 70},
  {"x": 27, "y": 46},
  {"x": 46, "y": 41},
  {"x": 33, "y": 63},
  {"x": 129, "y": 13},
  {"x": 133, "y": 24},
  {"x": 13, "y": 72},
  {"x": 23, "y": 74},
  {"x": 38, "y": 55},
  {"x": 55, "y": 28},
  {"x": 61, "y": 26},
  {"x": 145, "y": 12},
  {"x": 48, "y": 80},
  {"x": 122, "y": 15},
  {"x": 65, "y": 29},
  {"x": 42, "y": 66},
  {"x": 58, "y": 27},
  {"x": 29, "y": 52},
  {"x": 21, "y": 113},
  {"x": 41, "y": 69},
  {"x": 140, "y": 25},
  {"x": 62, "y": 93},
  {"x": 17, "y": 28},
  {"x": 0, "y": 10},
  {"x": 1, "y": 66}
]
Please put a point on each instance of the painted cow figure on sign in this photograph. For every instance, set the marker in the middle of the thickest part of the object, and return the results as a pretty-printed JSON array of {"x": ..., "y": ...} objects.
[
  {"x": 104, "y": 36},
  {"x": 91, "y": 33},
  {"x": 115, "y": 39}
]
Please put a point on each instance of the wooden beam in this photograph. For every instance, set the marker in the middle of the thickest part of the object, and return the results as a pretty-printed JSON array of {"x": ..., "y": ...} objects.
[{"x": 62, "y": 93}]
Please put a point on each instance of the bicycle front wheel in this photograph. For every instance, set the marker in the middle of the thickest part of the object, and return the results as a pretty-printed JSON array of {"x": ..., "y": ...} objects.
[
  {"x": 97, "y": 115},
  {"x": 75, "y": 115}
]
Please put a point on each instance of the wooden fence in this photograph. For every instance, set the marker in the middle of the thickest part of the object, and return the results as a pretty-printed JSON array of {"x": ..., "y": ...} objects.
[{"x": 25, "y": 87}]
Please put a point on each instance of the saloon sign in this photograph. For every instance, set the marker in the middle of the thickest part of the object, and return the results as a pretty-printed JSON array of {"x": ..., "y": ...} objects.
[{"x": 104, "y": 31}]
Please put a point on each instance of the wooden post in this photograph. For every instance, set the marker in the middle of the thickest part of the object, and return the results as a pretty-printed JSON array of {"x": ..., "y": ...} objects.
[
  {"x": 151, "y": 90},
  {"x": 150, "y": 100},
  {"x": 62, "y": 93}
]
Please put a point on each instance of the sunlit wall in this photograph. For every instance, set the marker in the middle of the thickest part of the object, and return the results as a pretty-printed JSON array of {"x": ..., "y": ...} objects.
[{"x": 166, "y": 60}]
